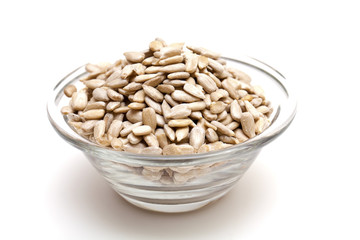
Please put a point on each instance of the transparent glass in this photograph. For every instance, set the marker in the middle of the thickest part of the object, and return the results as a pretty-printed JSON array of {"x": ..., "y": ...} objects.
[{"x": 210, "y": 175}]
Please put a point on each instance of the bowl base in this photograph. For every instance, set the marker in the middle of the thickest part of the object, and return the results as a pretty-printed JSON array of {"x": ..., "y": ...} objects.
[{"x": 172, "y": 208}]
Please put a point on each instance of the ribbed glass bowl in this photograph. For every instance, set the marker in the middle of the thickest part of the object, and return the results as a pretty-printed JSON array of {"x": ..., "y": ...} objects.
[{"x": 203, "y": 178}]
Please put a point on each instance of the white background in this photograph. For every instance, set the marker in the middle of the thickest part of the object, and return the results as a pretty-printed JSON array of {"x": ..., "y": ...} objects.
[{"x": 304, "y": 185}]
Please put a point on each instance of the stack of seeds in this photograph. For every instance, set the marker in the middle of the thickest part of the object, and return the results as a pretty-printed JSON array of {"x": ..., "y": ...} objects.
[{"x": 167, "y": 100}]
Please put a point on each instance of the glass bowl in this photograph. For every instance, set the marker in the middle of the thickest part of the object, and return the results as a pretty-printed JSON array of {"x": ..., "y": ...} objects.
[{"x": 200, "y": 178}]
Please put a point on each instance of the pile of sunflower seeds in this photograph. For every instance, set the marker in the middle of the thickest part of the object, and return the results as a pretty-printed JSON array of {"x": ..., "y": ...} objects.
[{"x": 167, "y": 100}]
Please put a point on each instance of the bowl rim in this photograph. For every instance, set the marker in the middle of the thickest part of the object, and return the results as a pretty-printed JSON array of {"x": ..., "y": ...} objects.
[{"x": 280, "y": 123}]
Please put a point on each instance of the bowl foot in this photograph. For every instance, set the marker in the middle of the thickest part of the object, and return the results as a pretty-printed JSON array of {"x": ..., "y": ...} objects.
[{"x": 172, "y": 208}]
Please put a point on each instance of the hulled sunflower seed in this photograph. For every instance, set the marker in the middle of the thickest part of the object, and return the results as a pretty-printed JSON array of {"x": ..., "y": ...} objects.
[
  {"x": 178, "y": 75},
  {"x": 211, "y": 135},
  {"x": 181, "y": 96},
  {"x": 179, "y": 111},
  {"x": 142, "y": 130},
  {"x": 152, "y": 150},
  {"x": 115, "y": 128},
  {"x": 166, "y": 88},
  {"x": 94, "y": 83},
  {"x": 173, "y": 149},
  {"x": 137, "y": 106},
  {"x": 171, "y": 60},
  {"x": 248, "y": 124},
  {"x": 79, "y": 100},
  {"x": 251, "y": 109},
  {"x": 203, "y": 51},
  {"x": 134, "y": 116},
  {"x": 239, "y": 134},
  {"x": 221, "y": 128},
  {"x": 128, "y": 129},
  {"x": 155, "y": 45},
  {"x": 170, "y": 101},
  {"x": 161, "y": 137},
  {"x": 145, "y": 77},
  {"x": 206, "y": 82},
  {"x": 203, "y": 62},
  {"x": 135, "y": 57},
  {"x": 193, "y": 90},
  {"x": 113, "y": 95},
  {"x": 152, "y": 92},
  {"x": 151, "y": 140},
  {"x": 180, "y": 122},
  {"x": 100, "y": 94},
  {"x": 235, "y": 110},
  {"x": 117, "y": 144},
  {"x": 151, "y": 103},
  {"x": 197, "y": 137},
  {"x": 181, "y": 133},
  {"x": 191, "y": 61},
  {"x": 217, "y": 107},
  {"x": 149, "y": 118},
  {"x": 177, "y": 67},
  {"x": 169, "y": 132},
  {"x": 93, "y": 114}
]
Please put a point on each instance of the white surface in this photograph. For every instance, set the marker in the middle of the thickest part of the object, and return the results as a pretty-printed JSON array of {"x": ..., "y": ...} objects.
[{"x": 304, "y": 185}]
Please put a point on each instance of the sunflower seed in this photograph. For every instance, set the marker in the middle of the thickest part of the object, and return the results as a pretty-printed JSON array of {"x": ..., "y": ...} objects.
[
  {"x": 113, "y": 95},
  {"x": 111, "y": 106},
  {"x": 134, "y": 57},
  {"x": 235, "y": 110},
  {"x": 142, "y": 130},
  {"x": 221, "y": 128},
  {"x": 151, "y": 140},
  {"x": 93, "y": 114},
  {"x": 100, "y": 94},
  {"x": 117, "y": 144},
  {"x": 151, "y": 103},
  {"x": 179, "y": 111},
  {"x": 126, "y": 71},
  {"x": 139, "y": 69},
  {"x": 166, "y": 88},
  {"x": 197, "y": 137},
  {"x": 193, "y": 90},
  {"x": 161, "y": 137},
  {"x": 133, "y": 86},
  {"x": 173, "y": 149},
  {"x": 170, "y": 100},
  {"x": 145, "y": 77},
  {"x": 152, "y": 150},
  {"x": 171, "y": 60},
  {"x": 211, "y": 135},
  {"x": 178, "y": 75},
  {"x": 155, "y": 45},
  {"x": 248, "y": 124},
  {"x": 169, "y": 132},
  {"x": 217, "y": 107},
  {"x": 116, "y": 83},
  {"x": 203, "y": 62},
  {"x": 251, "y": 109},
  {"x": 94, "y": 83},
  {"x": 134, "y": 116},
  {"x": 115, "y": 128},
  {"x": 152, "y": 92},
  {"x": 79, "y": 101},
  {"x": 204, "y": 52},
  {"x": 206, "y": 82},
  {"x": 180, "y": 122},
  {"x": 137, "y": 106},
  {"x": 181, "y": 96},
  {"x": 149, "y": 118},
  {"x": 165, "y": 109}
]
